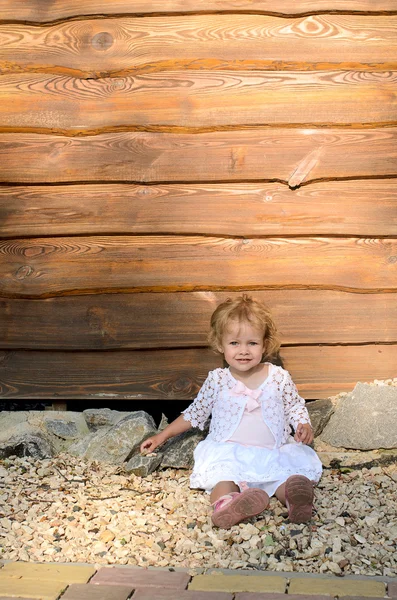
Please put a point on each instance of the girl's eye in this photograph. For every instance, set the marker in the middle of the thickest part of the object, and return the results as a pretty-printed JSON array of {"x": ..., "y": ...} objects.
[
  {"x": 254, "y": 343},
  {"x": 233, "y": 343}
]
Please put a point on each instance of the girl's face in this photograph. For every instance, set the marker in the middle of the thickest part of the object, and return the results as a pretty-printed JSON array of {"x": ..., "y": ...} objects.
[{"x": 242, "y": 346}]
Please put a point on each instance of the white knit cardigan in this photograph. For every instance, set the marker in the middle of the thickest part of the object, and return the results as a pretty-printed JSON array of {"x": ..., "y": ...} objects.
[{"x": 281, "y": 405}]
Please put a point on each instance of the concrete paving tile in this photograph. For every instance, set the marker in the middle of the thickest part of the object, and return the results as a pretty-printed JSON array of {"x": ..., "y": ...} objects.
[
  {"x": 50, "y": 571},
  {"x": 85, "y": 591},
  {"x": 218, "y": 582},
  {"x": 157, "y": 594},
  {"x": 264, "y": 596},
  {"x": 31, "y": 588},
  {"x": 337, "y": 587},
  {"x": 141, "y": 578},
  {"x": 358, "y": 598},
  {"x": 250, "y": 596},
  {"x": 392, "y": 589}
]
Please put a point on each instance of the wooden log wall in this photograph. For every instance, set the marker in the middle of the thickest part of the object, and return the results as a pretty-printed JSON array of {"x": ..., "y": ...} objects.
[{"x": 157, "y": 157}]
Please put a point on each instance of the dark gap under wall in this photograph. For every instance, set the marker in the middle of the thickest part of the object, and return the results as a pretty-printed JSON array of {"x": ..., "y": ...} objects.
[{"x": 171, "y": 409}]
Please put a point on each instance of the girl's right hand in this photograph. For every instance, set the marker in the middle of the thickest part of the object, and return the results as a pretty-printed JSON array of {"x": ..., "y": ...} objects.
[
  {"x": 151, "y": 444},
  {"x": 175, "y": 428}
]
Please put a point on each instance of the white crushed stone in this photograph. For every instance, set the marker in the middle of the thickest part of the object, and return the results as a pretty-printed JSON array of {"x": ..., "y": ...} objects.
[{"x": 67, "y": 510}]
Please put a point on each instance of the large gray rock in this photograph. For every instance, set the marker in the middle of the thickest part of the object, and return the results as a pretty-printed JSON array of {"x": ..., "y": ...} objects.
[
  {"x": 96, "y": 418},
  {"x": 80, "y": 447},
  {"x": 39, "y": 434},
  {"x": 19, "y": 438},
  {"x": 11, "y": 420},
  {"x": 178, "y": 451},
  {"x": 365, "y": 419},
  {"x": 27, "y": 443},
  {"x": 143, "y": 465},
  {"x": 62, "y": 428},
  {"x": 66, "y": 430},
  {"x": 117, "y": 444},
  {"x": 320, "y": 412}
]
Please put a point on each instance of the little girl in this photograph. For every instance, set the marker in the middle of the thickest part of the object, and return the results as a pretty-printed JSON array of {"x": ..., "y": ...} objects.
[{"x": 249, "y": 453}]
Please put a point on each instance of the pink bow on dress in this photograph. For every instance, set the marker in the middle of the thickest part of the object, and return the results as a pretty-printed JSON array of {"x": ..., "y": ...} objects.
[{"x": 240, "y": 389}]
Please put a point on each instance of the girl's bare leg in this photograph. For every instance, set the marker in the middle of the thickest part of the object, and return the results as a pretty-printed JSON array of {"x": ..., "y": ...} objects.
[{"x": 222, "y": 488}]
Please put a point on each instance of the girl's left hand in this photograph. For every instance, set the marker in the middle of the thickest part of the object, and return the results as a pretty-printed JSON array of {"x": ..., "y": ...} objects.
[{"x": 304, "y": 433}]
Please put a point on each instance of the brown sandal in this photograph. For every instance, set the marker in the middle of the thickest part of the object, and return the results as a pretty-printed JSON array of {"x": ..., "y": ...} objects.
[
  {"x": 299, "y": 496},
  {"x": 241, "y": 506}
]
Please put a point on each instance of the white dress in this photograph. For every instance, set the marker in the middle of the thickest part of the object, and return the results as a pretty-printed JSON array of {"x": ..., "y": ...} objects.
[{"x": 249, "y": 440}]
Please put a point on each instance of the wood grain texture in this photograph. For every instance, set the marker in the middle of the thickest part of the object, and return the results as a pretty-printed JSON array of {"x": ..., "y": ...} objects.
[
  {"x": 41, "y": 12},
  {"x": 122, "y": 46},
  {"x": 162, "y": 375},
  {"x": 294, "y": 156},
  {"x": 45, "y": 267},
  {"x": 105, "y": 375},
  {"x": 361, "y": 207},
  {"x": 323, "y": 371},
  {"x": 200, "y": 99},
  {"x": 176, "y": 320}
]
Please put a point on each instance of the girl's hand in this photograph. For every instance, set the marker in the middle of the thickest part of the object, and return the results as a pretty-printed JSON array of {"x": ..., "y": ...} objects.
[
  {"x": 175, "y": 428},
  {"x": 151, "y": 444},
  {"x": 304, "y": 433}
]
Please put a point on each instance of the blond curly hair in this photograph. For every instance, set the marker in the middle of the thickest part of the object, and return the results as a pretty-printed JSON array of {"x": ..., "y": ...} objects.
[{"x": 244, "y": 309}]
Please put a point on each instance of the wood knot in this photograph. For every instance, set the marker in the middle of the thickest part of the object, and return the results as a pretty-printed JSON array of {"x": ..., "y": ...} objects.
[
  {"x": 102, "y": 41},
  {"x": 24, "y": 272},
  {"x": 392, "y": 260}
]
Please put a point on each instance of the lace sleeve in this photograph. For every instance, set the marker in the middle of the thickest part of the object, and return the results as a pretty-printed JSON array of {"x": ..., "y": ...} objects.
[
  {"x": 199, "y": 411},
  {"x": 294, "y": 406}
]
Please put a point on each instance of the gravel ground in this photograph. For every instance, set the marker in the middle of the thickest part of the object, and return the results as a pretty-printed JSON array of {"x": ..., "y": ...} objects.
[{"x": 67, "y": 510}]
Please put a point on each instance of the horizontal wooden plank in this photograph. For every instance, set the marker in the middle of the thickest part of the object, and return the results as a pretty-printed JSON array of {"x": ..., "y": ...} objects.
[
  {"x": 177, "y": 375},
  {"x": 136, "y": 321},
  {"x": 290, "y": 155},
  {"x": 40, "y": 12},
  {"x": 256, "y": 209},
  {"x": 99, "y": 375},
  {"x": 45, "y": 267},
  {"x": 200, "y": 99},
  {"x": 100, "y": 47},
  {"x": 320, "y": 372}
]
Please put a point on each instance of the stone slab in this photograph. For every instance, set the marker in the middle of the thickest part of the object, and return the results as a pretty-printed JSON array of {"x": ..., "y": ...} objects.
[
  {"x": 337, "y": 587},
  {"x": 31, "y": 588},
  {"x": 51, "y": 571},
  {"x": 218, "y": 582},
  {"x": 141, "y": 578},
  {"x": 375, "y": 408},
  {"x": 357, "y": 459},
  {"x": 85, "y": 591},
  {"x": 157, "y": 594}
]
